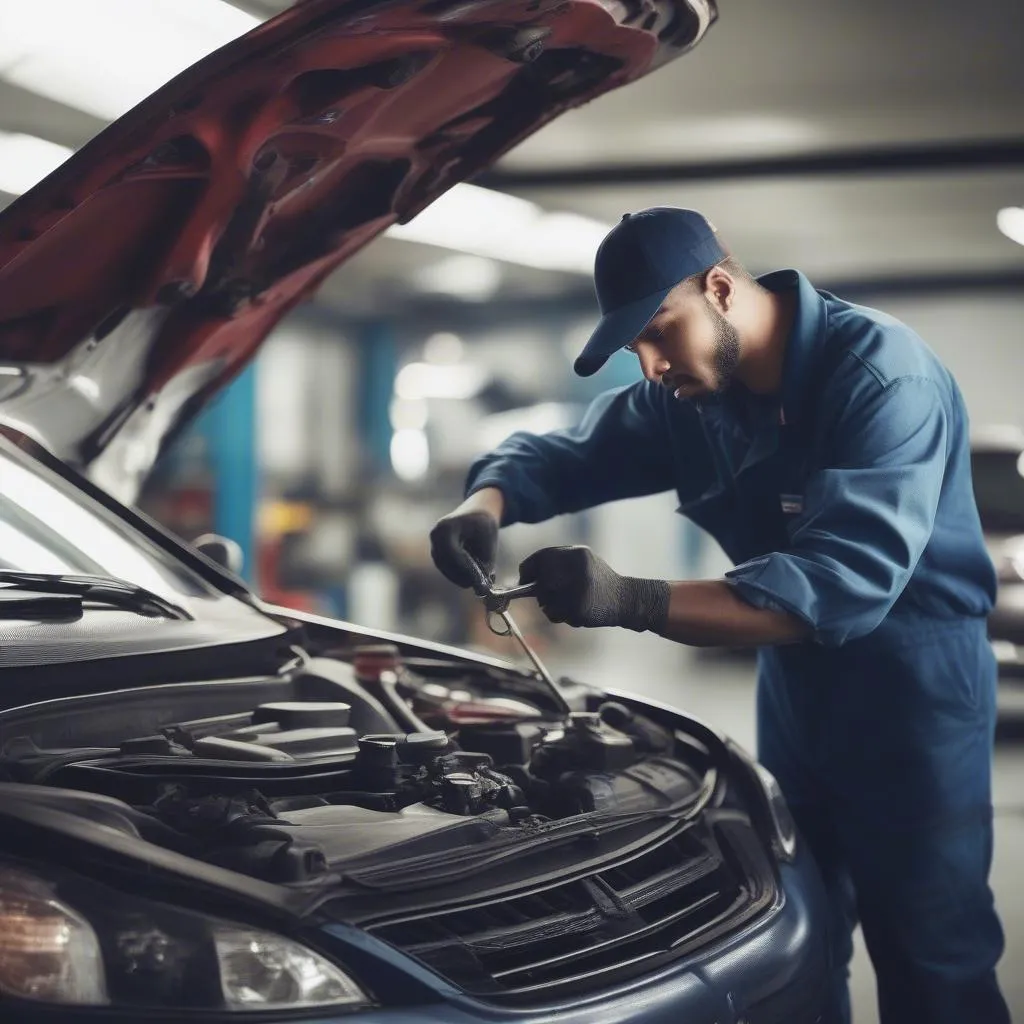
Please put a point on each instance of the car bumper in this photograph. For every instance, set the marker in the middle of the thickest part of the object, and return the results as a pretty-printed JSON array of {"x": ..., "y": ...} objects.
[{"x": 774, "y": 971}]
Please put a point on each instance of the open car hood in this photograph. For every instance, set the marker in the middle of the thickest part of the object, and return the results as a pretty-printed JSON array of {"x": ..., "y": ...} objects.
[{"x": 138, "y": 278}]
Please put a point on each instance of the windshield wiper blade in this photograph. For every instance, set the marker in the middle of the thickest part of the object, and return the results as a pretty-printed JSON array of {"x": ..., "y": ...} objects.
[
  {"x": 102, "y": 589},
  {"x": 18, "y": 604}
]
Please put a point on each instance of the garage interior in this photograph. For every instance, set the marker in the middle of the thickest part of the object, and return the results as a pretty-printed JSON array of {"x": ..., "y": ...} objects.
[{"x": 876, "y": 146}]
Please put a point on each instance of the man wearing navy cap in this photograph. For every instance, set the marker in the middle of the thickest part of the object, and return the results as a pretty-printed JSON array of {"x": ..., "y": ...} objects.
[{"x": 825, "y": 448}]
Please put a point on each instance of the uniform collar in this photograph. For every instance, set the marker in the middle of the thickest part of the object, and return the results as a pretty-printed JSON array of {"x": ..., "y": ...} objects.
[{"x": 803, "y": 346}]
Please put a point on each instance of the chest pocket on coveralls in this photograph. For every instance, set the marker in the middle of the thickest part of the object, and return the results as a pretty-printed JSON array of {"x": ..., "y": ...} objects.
[{"x": 757, "y": 496}]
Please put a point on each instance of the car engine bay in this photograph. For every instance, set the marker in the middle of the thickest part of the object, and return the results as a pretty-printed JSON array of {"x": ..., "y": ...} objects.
[{"x": 370, "y": 759}]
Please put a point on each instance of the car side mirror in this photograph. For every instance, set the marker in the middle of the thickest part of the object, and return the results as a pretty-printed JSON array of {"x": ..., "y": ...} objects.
[{"x": 222, "y": 550}]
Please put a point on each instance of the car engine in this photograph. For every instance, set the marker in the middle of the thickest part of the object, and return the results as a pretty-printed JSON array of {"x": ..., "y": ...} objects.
[{"x": 417, "y": 759}]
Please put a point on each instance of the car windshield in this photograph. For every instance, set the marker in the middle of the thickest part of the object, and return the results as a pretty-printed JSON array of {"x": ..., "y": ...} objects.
[{"x": 48, "y": 526}]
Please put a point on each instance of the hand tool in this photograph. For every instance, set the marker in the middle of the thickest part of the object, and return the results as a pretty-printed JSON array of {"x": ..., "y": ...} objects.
[{"x": 496, "y": 602}]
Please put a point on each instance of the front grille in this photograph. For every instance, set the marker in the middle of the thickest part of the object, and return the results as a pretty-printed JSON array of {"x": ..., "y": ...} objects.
[{"x": 596, "y": 930}]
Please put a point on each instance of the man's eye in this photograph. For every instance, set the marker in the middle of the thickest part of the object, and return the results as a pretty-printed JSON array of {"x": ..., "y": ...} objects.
[{"x": 631, "y": 347}]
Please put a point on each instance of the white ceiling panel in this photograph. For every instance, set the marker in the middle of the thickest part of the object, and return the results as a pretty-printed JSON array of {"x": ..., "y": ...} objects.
[{"x": 798, "y": 75}]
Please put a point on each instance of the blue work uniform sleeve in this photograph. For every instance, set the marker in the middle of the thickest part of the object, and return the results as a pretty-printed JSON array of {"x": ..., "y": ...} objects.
[
  {"x": 620, "y": 449},
  {"x": 867, "y": 515}
]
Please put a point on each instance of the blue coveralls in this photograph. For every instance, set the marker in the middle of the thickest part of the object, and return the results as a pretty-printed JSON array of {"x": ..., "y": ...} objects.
[{"x": 848, "y": 501}]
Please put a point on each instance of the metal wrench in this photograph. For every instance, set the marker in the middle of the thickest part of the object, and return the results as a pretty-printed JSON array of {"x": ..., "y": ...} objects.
[{"x": 496, "y": 602}]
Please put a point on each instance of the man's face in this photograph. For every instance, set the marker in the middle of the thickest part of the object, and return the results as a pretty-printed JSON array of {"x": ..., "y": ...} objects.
[{"x": 689, "y": 346}]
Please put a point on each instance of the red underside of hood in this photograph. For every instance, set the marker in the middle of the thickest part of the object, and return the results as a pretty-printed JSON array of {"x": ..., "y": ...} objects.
[{"x": 144, "y": 273}]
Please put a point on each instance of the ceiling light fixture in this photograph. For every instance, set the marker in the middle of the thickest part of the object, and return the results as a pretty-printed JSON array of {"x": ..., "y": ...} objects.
[
  {"x": 24, "y": 160},
  {"x": 1010, "y": 221},
  {"x": 408, "y": 413},
  {"x": 105, "y": 56},
  {"x": 443, "y": 347},
  {"x": 433, "y": 380},
  {"x": 460, "y": 276},
  {"x": 410, "y": 454},
  {"x": 483, "y": 222}
]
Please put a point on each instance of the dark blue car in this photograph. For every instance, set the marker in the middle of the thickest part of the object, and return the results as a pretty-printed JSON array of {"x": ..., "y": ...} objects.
[{"x": 215, "y": 809}]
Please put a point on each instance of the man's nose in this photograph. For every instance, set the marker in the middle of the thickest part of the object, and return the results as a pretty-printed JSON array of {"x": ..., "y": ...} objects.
[{"x": 653, "y": 364}]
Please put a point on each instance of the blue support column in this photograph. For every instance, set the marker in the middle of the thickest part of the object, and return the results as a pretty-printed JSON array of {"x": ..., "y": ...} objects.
[
  {"x": 692, "y": 545},
  {"x": 378, "y": 350},
  {"x": 230, "y": 429}
]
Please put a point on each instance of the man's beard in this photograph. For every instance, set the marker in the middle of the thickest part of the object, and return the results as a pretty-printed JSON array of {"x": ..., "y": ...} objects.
[{"x": 726, "y": 356}]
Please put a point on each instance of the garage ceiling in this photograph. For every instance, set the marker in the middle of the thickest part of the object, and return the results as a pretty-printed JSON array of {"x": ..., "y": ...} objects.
[
  {"x": 845, "y": 228},
  {"x": 792, "y": 79},
  {"x": 802, "y": 75}
]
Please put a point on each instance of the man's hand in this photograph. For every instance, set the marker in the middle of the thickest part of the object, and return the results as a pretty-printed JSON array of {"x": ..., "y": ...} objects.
[
  {"x": 469, "y": 534},
  {"x": 576, "y": 587}
]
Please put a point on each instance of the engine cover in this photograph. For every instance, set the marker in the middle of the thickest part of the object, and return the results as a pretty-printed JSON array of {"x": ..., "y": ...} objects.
[{"x": 652, "y": 785}]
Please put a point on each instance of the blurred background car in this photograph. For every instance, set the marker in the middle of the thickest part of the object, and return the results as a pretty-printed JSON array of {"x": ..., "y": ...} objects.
[{"x": 997, "y": 464}]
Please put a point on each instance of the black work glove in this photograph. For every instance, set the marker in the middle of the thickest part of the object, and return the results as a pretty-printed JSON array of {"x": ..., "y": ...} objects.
[
  {"x": 576, "y": 587},
  {"x": 461, "y": 538}
]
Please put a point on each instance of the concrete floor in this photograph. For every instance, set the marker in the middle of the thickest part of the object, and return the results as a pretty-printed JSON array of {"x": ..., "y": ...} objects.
[{"x": 721, "y": 692}]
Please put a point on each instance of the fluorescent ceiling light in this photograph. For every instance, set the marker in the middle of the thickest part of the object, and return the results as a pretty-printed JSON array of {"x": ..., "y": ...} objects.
[
  {"x": 24, "y": 160},
  {"x": 461, "y": 276},
  {"x": 408, "y": 413},
  {"x": 434, "y": 380},
  {"x": 722, "y": 135},
  {"x": 444, "y": 347},
  {"x": 480, "y": 221},
  {"x": 105, "y": 56},
  {"x": 1011, "y": 222},
  {"x": 410, "y": 454}
]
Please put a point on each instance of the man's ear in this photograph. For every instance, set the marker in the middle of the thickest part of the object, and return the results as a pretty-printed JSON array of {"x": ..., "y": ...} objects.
[{"x": 720, "y": 289}]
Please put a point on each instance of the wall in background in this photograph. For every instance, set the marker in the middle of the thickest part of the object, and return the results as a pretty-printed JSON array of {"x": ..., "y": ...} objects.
[
  {"x": 980, "y": 338},
  {"x": 307, "y": 403}
]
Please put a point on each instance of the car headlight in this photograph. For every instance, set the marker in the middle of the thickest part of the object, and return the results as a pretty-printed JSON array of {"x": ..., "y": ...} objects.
[
  {"x": 71, "y": 941},
  {"x": 780, "y": 820},
  {"x": 784, "y": 837}
]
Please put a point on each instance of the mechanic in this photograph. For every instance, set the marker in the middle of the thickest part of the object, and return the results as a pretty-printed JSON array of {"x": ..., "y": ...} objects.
[{"x": 825, "y": 447}]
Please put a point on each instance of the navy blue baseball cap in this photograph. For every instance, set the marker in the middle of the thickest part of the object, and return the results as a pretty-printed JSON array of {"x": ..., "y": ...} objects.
[{"x": 639, "y": 262}]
